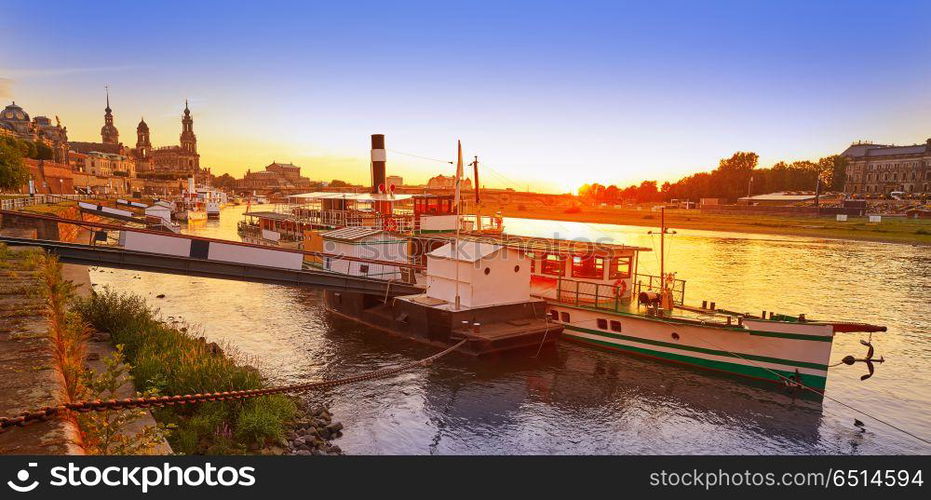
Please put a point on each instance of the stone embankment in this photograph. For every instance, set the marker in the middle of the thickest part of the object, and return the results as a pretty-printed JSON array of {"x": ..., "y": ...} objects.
[{"x": 29, "y": 378}]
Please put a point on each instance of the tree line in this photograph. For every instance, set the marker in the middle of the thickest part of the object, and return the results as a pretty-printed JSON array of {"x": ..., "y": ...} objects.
[
  {"x": 733, "y": 178},
  {"x": 13, "y": 171}
]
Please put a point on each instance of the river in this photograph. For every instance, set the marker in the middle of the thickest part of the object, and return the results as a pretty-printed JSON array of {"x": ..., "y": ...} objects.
[{"x": 575, "y": 400}]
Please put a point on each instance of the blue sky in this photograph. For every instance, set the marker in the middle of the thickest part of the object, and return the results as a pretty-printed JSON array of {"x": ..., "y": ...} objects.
[{"x": 550, "y": 94}]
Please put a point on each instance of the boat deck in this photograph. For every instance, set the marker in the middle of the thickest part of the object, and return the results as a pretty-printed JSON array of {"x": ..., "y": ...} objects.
[
  {"x": 507, "y": 330},
  {"x": 605, "y": 301}
]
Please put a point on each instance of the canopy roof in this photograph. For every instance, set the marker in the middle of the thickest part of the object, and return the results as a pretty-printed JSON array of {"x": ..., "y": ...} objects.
[
  {"x": 558, "y": 246},
  {"x": 465, "y": 251},
  {"x": 350, "y": 233},
  {"x": 363, "y": 197}
]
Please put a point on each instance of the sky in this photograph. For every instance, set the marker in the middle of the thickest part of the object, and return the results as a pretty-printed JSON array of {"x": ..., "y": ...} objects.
[{"x": 548, "y": 95}]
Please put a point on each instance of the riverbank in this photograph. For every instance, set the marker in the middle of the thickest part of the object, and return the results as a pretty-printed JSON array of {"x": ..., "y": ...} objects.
[
  {"x": 169, "y": 358},
  {"x": 890, "y": 230}
]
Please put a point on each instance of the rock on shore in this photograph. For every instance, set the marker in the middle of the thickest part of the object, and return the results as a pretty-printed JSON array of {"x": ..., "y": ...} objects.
[{"x": 313, "y": 432}]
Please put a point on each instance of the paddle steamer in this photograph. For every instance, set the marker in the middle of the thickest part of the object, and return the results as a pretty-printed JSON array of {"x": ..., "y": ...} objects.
[{"x": 593, "y": 291}]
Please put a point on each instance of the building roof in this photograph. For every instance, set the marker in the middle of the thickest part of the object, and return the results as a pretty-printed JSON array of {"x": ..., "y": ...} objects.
[
  {"x": 465, "y": 251},
  {"x": 896, "y": 150},
  {"x": 873, "y": 150},
  {"x": 98, "y": 147},
  {"x": 14, "y": 113},
  {"x": 350, "y": 233}
]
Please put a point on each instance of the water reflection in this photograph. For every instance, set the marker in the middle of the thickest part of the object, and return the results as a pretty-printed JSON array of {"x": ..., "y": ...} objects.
[{"x": 574, "y": 400}]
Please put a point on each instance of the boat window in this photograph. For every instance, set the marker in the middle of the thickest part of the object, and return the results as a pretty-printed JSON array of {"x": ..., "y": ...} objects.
[
  {"x": 588, "y": 267},
  {"x": 553, "y": 264},
  {"x": 620, "y": 269},
  {"x": 565, "y": 317},
  {"x": 554, "y": 314},
  {"x": 602, "y": 323},
  {"x": 615, "y": 326}
]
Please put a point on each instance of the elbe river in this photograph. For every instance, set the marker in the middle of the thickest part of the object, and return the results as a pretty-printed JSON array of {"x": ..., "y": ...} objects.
[{"x": 577, "y": 400}]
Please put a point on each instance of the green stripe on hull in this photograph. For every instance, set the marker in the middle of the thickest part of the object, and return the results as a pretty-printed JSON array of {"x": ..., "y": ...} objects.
[
  {"x": 688, "y": 322},
  {"x": 753, "y": 357},
  {"x": 813, "y": 381}
]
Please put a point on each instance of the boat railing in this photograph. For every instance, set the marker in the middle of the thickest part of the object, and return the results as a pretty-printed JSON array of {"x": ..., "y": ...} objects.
[
  {"x": 356, "y": 218},
  {"x": 653, "y": 283},
  {"x": 609, "y": 296},
  {"x": 586, "y": 293}
]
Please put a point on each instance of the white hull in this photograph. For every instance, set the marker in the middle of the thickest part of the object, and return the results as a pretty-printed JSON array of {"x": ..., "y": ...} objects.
[{"x": 798, "y": 352}]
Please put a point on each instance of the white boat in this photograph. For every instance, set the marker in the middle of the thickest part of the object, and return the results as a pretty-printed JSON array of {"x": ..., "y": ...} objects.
[
  {"x": 596, "y": 293},
  {"x": 212, "y": 209},
  {"x": 593, "y": 291}
]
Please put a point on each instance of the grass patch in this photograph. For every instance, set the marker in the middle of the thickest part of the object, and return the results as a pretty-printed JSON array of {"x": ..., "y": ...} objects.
[
  {"x": 171, "y": 361},
  {"x": 18, "y": 260},
  {"x": 66, "y": 331}
]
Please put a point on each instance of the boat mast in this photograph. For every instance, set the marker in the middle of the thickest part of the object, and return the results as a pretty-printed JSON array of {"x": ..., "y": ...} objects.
[
  {"x": 458, "y": 219},
  {"x": 662, "y": 247}
]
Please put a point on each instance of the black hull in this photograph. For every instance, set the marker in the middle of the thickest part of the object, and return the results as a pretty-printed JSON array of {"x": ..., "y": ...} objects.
[{"x": 502, "y": 328}]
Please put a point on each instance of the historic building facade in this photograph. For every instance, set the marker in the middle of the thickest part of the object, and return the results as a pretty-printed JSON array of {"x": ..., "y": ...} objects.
[
  {"x": 276, "y": 176},
  {"x": 166, "y": 161},
  {"x": 444, "y": 182},
  {"x": 15, "y": 122},
  {"x": 94, "y": 157},
  {"x": 181, "y": 160},
  {"x": 882, "y": 169}
]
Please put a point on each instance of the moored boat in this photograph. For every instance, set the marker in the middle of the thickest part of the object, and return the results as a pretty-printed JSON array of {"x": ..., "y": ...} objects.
[
  {"x": 469, "y": 295},
  {"x": 596, "y": 293}
]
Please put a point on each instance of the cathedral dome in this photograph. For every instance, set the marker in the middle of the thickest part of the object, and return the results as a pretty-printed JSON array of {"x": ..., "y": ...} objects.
[
  {"x": 143, "y": 127},
  {"x": 14, "y": 113}
]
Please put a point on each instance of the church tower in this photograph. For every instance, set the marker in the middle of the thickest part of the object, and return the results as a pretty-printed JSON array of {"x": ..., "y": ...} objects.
[
  {"x": 143, "y": 144},
  {"x": 108, "y": 133},
  {"x": 188, "y": 139}
]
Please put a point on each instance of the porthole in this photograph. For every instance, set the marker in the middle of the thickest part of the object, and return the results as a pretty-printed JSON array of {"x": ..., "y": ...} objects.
[
  {"x": 675, "y": 336},
  {"x": 487, "y": 270},
  {"x": 516, "y": 269}
]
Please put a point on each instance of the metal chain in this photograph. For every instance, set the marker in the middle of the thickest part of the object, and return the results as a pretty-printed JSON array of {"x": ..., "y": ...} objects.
[{"x": 42, "y": 414}]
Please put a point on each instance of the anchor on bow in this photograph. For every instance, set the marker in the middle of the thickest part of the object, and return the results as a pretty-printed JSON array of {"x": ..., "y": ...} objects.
[{"x": 869, "y": 359}]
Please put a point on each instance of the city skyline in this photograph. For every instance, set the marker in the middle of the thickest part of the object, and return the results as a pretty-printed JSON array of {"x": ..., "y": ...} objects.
[{"x": 541, "y": 109}]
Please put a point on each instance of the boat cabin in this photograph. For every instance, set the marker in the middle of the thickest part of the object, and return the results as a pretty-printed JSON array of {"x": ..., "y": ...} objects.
[
  {"x": 369, "y": 249},
  {"x": 480, "y": 274},
  {"x": 583, "y": 272}
]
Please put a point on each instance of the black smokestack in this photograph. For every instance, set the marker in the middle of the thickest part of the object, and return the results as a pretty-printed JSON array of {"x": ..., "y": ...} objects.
[{"x": 378, "y": 162}]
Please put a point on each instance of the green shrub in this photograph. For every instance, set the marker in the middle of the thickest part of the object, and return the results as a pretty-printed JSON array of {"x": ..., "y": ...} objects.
[
  {"x": 261, "y": 419},
  {"x": 171, "y": 361}
]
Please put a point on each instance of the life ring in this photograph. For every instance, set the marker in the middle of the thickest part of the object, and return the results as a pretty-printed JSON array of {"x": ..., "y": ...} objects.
[
  {"x": 391, "y": 224},
  {"x": 620, "y": 288}
]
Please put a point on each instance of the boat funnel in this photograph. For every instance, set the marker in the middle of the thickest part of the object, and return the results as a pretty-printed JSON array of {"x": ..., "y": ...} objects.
[{"x": 378, "y": 164}]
